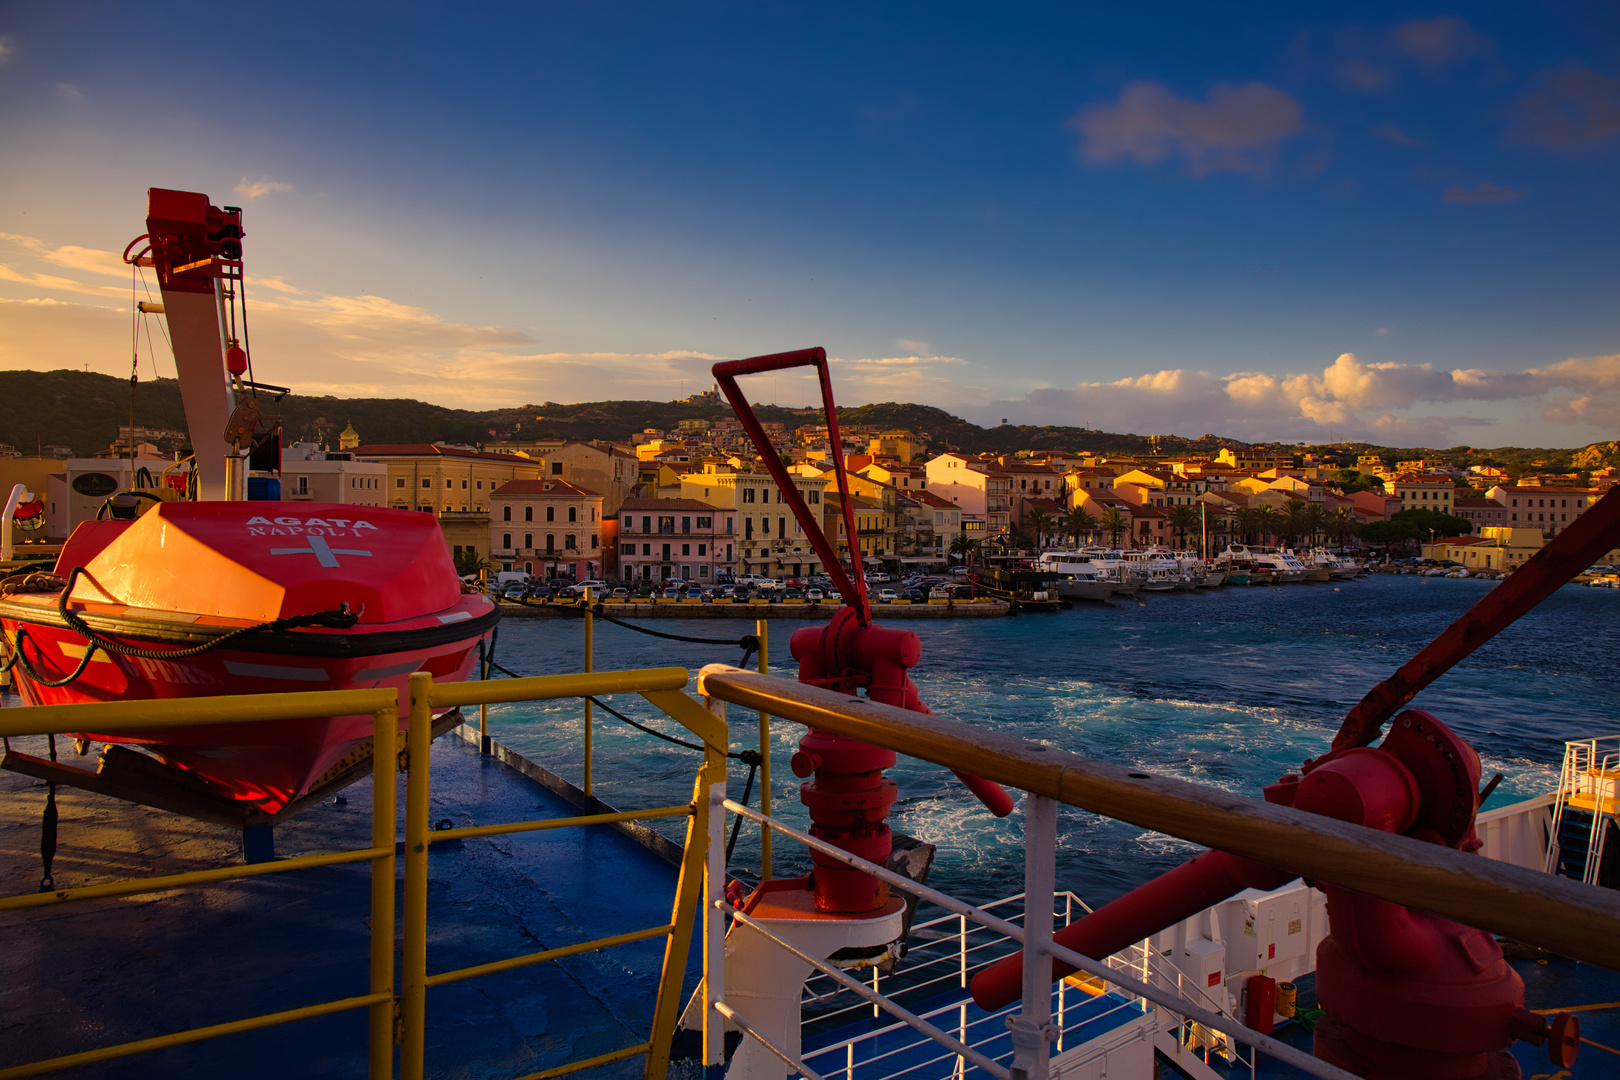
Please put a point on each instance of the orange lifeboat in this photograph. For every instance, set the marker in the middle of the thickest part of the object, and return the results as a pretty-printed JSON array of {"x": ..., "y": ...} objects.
[{"x": 199, "y": 599}]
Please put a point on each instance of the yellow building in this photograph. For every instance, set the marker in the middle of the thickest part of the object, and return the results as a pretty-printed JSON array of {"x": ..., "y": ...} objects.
[
  {"x": 896, "y": 444},
  {"x": 1424, "y": 491},
  {"x": 1496, "y": 548},
  {"x": 770, "y": 538}
]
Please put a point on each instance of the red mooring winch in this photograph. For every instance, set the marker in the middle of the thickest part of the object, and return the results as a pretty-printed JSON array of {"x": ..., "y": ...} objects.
[{"x": 848, "y": 797}]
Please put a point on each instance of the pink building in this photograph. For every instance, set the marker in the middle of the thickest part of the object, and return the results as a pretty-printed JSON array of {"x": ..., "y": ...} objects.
[{"x": 685, "y": 539}]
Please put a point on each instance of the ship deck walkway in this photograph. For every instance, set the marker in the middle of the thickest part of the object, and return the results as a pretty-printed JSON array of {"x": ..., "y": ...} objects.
[{"x": 80, "y": 976}]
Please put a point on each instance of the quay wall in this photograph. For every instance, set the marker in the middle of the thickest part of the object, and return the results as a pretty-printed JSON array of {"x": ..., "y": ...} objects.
[{"x": 681, "y": 609}]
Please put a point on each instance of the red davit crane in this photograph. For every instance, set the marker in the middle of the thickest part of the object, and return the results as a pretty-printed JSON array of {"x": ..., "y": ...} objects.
[{"x": 848, "y": 797}]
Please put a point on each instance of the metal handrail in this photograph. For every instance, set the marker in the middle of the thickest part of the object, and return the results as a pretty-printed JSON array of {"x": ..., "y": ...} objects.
[
  {"x": 663, "y": 687},
  {"x": 1036, "y": 943},
  {"x": 1562, "y": 916}
]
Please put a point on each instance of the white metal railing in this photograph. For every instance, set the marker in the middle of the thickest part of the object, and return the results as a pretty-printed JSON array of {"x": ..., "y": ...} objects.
[
  {"x": 1589, "y": 780},
  {"x": 1033, "y": 1031}
]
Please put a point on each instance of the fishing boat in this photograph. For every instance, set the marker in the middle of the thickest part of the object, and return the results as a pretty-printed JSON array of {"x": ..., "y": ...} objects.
[
  {"x": 1288, "y": 569},
  {"x": 167, "y": 598}
]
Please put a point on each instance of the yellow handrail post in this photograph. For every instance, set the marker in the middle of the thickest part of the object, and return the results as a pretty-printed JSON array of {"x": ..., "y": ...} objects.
[
  {"x": 590, "y": 649},
  {"x": 384, "y": 808},
  {"x": 413, "y": 975},
  {"x": 688, "y": 894},
  {"x": 761, "y": 631}
]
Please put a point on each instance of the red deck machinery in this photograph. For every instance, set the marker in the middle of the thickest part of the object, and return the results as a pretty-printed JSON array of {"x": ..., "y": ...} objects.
[
  {"x": 848, "y": 796},
  {"x": 1407, "y": 995}
]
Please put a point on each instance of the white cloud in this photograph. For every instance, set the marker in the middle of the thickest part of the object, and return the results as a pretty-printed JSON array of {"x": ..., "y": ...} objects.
[
  {"x": 1350, "y": 397},
  {"x": 69, "y": 92},
  {"x": 1238, "y": 129},
  {"x": 6, "y": 51},
  {"x": 253, "y": 189}
]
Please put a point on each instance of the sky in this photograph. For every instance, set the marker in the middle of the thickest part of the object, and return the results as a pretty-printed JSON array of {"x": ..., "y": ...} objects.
[{"x": 1374, "y": 221}]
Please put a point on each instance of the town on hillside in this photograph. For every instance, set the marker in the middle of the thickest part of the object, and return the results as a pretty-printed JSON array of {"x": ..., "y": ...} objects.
[{"x": 695, "y": 504}]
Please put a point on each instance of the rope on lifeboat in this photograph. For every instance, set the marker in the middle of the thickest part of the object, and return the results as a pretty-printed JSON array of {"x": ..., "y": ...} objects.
[{"x": 339, "y": 618}]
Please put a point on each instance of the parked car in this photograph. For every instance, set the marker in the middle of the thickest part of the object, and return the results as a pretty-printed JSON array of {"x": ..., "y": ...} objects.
[
  {"x": 541, "y": 592},
  {"x": 621, "y": 593},
  {"x": 514, "y": 590},
  {"x": 814, "y": 595},
  {"x": 916, "y": 596},
  {"x": 887, "y": 596},
  {"x": 694, "y": 593},
  {"x": 940, "y": 592}
]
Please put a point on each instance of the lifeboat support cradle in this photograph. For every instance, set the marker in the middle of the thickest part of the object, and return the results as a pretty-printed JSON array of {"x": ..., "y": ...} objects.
[{"x": 122, "y": 773}]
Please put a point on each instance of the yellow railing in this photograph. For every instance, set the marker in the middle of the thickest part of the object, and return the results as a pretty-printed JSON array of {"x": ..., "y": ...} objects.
[{"x": 402, "y": 1019}]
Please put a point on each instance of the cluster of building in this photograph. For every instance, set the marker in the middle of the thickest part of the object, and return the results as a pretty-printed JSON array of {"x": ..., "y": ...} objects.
[{"x": 696, "y": 504}]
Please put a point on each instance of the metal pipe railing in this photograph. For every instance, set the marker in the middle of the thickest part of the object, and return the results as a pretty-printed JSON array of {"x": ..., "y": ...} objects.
[
  {"x": 1177, "y": 1005},
  {"x": 1562, "y": 916}
]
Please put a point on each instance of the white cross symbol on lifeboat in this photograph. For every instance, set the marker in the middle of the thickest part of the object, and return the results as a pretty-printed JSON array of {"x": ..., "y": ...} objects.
[{"x": 324, "y": 554}]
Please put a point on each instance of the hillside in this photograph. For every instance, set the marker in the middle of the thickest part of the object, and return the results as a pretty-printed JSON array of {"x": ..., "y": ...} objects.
[{"x": 83, "y": 410}]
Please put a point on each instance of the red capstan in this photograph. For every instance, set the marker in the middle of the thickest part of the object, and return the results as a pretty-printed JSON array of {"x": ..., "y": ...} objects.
[{"x": 849, "y": 798}]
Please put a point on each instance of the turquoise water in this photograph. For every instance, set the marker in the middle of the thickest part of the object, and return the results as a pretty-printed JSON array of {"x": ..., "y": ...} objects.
[{"x": 1229, "y": 687}]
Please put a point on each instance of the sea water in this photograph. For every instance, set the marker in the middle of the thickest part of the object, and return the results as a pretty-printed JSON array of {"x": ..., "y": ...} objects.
[{"x": 1227, "y": 687}]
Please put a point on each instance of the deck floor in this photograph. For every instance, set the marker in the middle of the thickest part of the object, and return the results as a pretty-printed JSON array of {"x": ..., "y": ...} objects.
[{"x": 77, "y": 976}]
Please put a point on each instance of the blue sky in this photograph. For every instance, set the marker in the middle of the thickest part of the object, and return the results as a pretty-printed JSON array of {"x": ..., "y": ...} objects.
[{"x": 1377, "y": 221}]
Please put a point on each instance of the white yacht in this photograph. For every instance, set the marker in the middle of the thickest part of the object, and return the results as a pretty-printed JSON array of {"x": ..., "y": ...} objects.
[
  {"x": 1289, "y": 570},
  {"x": 1084, "y": 577}
]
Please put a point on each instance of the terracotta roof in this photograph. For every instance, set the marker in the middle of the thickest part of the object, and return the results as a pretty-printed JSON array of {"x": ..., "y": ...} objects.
[
  {"x": 928, "y": 498},
  {"x": 1476, "y": 504},
  {"x": 664, "y": 505},
  {"x": 557, "y": 489},
  {"x": 416, "y": 449}
]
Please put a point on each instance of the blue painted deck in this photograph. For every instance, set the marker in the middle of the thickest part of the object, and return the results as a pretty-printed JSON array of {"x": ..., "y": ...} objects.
[{"x": 79, "y": 976}]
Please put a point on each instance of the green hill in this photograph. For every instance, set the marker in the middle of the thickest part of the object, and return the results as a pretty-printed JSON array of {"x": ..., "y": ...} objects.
[{"x": 83, "y": 410}]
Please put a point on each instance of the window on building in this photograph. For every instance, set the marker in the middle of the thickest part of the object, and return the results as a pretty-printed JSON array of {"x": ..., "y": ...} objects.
[
  {"x": 506, "y": 513},
  {"x": 593, "y": 541},
  {"x": 506, "y": 541},
  {"x": 464, "y": 485},
  {"x": 646, "y": 549},
  {"x": 551, "y": 542},
  {"x": 528, "y": 540},
  {"x": 551, "y": 513},
  {"x": 815, "y": 498},
  {"x": 705, "y": 523},
  {"x": 646, "y": 523},
  {"x": 627, "y": 549},
  {"x": 556, "y": 468},
  {"x": 426, "y": 483},
  {"x": 568, "y": 542},
  {"x": 572, "y": 512},
  {"x": 303, "y": 485},
  {"x": 748, "y": 494},
  {"x": 528, "y": 513},
  {"x": 480, "y": 485},
  {"x": 666, "y": 524},
  {"x": 399, "y": 482},
  {"x": 449, "y": 483}
]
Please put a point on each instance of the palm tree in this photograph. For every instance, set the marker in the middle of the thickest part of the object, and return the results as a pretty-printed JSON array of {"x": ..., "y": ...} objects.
[
  {"x": 1342, "y": 524},
  {"x": 1079, "y": 522},
  {"x": 1114, "y": 522},
  {"x": 1184, "y": 519},
  {"x": 1247, "y": 523},
  {"x": 1039, "y": 519},
  {"x": 964, "y": 547},
  {"x": 1316, "y": 522},
  {"x": 468, "y": 562},
  {"x": 1296, "y": 521},
  {"x": 1267, "y": 521}
]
